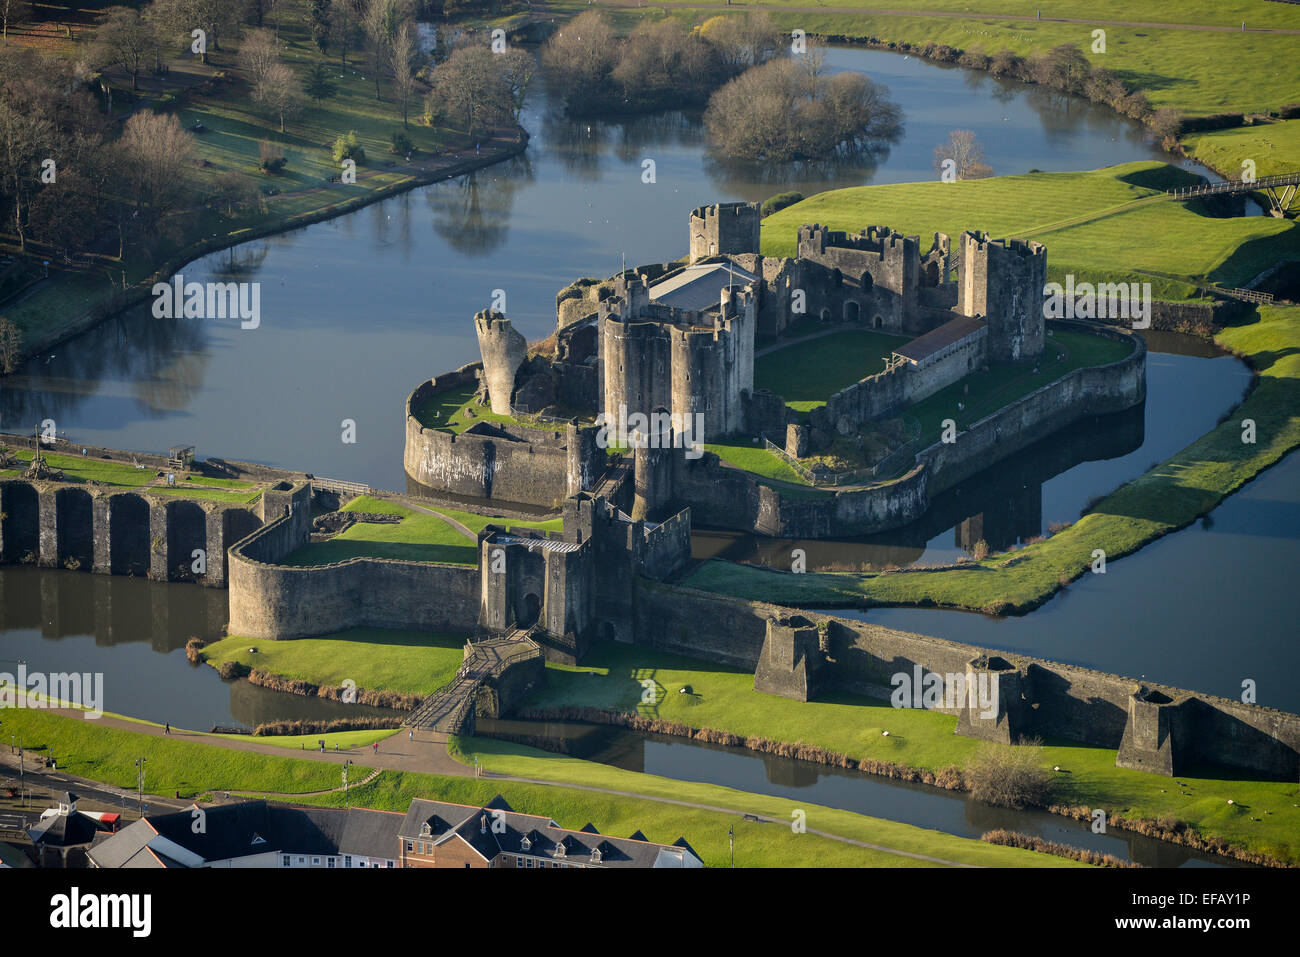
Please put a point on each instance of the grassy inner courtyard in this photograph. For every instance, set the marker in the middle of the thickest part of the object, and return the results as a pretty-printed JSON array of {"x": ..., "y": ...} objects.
[{"x": 420, "y": 536}]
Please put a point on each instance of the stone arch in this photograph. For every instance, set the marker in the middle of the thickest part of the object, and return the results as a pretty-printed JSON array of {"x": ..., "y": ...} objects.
[
  {"x": 187, "y": 529},
  {"x": 237, "y": 524},
  {"x": 866, "y": 283},
  {"x": 20, "y": 527},
  {"x": 837, "y": 277},
  {"x": 932, "y": 273},
  {"x": 852, "y": 311},
  {"x": 608, "y": 632},
  {"x": 128, "y": 534},
  {"x": 825, "y": 314},
  {"x": 74, "y": 528},
  {"x": 530, "y": 609},
  {"x": 876, "y": 321}
]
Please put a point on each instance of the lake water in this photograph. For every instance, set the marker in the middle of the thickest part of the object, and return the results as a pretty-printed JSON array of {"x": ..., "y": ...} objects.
[{"x": 358, "y": 310}]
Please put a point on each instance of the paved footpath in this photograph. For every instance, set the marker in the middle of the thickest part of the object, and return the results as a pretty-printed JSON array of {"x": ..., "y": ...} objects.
[{"x": 426, "y": 754}]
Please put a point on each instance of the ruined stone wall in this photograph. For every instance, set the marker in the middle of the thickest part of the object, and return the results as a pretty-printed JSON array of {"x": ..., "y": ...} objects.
[
  {"x": 1002, "y": 281},
  {"x": 1081, "y": 393},
  {"x": 272, "y": 602},
  {"x": 495, "y": 461},
  {"x": 503, "y": 350},
  {"x": 1059, "y": 700}
]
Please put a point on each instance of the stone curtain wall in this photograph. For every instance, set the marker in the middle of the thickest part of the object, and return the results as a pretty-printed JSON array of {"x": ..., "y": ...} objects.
[
  {"x": 270, "y": 601},
  {"x": 511, "y": 463},
  {"x": 1095, "y": 390},
  {"x": 1166, "y": 733}
]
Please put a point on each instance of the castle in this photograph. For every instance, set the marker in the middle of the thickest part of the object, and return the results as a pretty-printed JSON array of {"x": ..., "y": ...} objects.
[
  {"x": 675, "y": 342},
  {"x": 662, "y": 357}
]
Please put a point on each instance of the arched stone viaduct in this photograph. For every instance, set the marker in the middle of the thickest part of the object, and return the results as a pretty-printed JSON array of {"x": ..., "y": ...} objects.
[{"x": 115, "y": 531}]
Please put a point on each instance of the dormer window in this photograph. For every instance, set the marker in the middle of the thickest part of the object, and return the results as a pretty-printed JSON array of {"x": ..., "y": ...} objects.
[
  {"x": 425, "y": 829},
  {"x": 526, "y": 844},
  {"x": 595, "y": 855},
  {"x": 559, "y": 848}
]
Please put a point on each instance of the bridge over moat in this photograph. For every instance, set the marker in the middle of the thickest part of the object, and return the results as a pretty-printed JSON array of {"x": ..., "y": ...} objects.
[{"x": 497, "y": 671}]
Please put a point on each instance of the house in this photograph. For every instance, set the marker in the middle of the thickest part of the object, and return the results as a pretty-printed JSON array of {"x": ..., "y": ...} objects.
[
  {"x": 430, "y": 834},
  {"x": 255, "y": 834},
  {"x": 440, "y": 834},
  {"x": 63, "y": 829}
]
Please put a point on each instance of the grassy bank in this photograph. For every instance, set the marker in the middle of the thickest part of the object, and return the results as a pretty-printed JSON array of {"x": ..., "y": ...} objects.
[
  {"x": 1263, "y": 817},
  {"x": 411, "y": 662},
  {"x": 1172, "y": 60},
  {"x": 100, "y": 753},
  {"x": 106, "y": 755},
  {"x": 1274, "y": 148},
  {"x": 119, "y": 475},
  {"x": 520, "y": 761}
]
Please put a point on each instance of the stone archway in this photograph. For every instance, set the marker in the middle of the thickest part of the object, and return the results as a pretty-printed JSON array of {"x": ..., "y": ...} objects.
[
  {"x": 128, "y": 535},
  {"x": 852, "y": 311},
  {"x": 75, "y": 527},
  {"x": 187, "y": 530},
  {"x": 530, "y": 610},
  {"x": 20, "y": 521}
]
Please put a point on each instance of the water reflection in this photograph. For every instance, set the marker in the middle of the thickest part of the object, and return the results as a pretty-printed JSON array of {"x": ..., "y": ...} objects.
[{"x": 134, "y": 631}]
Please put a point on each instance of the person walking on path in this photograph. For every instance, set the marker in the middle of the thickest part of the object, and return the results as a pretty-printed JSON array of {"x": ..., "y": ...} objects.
[
  {"x": 410, "y": 735},
  {"x": 375, "y": 746},
  {"x": 167, "y": 727}
]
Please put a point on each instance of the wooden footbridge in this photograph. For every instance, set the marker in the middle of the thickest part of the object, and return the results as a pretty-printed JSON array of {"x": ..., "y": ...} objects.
[
  {"x": 1280, "y": 189},
  {"x": 449, "y": 708}
]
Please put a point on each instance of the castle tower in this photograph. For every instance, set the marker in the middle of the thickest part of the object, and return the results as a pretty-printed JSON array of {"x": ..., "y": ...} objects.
[
  {"x": 504, "y": 351},
  {"x": 724, "y": 229},
  {"x": 1002, "y": 280}
]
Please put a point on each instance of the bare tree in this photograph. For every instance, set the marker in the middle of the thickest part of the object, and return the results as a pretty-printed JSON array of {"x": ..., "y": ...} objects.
[
  {"x": 381, "y": 19},
  {"x": 258, "y": 52},
  {"x": 280, "y": 92},
  {"x": 157, "y": 159},
  {"x": 469, "y": 89},
  {"x": 517, "y": 69},
  {"x": 401, "y": 60},
  {"x": 25, "y": 137},
  {"x": 125, "y": 39},
  {"x": 966, "y": 154},
  {"x": 11, "y": 345}
]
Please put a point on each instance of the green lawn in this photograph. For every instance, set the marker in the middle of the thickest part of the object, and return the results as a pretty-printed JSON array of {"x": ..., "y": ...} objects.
[
  {"x": 1092, "y": 223},
  {"x": 77, "y": 469},
  {"x": 984, "y": 392},
  {"x": 744, "y": 454},
  {"x": 89, "y": 750},
  {"x": 808, "y": 373},
  {"x": 376, "y": 659},
  {"x": 457, "y": 410},
  {"x": 724, "y": 698},
  {"x": 418, "y": 537},
  {"x": 1274, "y": 148}
]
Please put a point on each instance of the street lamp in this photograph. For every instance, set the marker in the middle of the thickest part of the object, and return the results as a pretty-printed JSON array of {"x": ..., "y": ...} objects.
[{"x": 140, "y": 784}]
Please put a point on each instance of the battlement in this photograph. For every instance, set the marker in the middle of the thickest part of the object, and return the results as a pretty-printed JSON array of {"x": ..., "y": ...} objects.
[
  {"x": 979, "y": 243},
  {"x": 724, "y": 229},
  {"x": 815, "y": 239}
]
